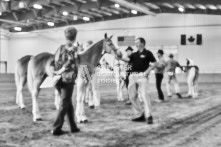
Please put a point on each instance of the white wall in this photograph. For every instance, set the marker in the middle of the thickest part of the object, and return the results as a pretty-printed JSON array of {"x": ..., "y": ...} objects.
[
  {"x": 4, "y": 48},
  {"x": 164, "y": 29}
]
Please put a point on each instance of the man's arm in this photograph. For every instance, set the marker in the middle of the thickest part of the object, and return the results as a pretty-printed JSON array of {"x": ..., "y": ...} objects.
[
  {"x": 125, "y": 59},
  {"x": 147, "y": 72}
]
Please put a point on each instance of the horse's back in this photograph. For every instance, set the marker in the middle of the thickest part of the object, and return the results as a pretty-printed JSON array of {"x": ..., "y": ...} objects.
[{"x": 42, "y": 57}]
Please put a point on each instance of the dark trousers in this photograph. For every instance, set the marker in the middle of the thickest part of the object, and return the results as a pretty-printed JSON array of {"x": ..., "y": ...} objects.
[
  {"x": 65, "y": 90},
  {"x": 159, "y": 78}
]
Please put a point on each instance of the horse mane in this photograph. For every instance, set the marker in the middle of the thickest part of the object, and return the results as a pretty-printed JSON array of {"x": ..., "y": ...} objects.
[{"x": 92, "y": 47}]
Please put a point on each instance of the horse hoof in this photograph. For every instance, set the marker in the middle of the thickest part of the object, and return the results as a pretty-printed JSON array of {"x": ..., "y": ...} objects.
[
  {"x": 91, "y": 107},
  {"x": 38, "y": 119},
  {"x": 83, "y": 121}
]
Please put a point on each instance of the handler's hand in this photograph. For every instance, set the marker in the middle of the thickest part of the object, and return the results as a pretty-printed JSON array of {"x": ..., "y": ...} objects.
[
  {"x": 57, "y": 73},
  {"x": 146, "y": 74}
]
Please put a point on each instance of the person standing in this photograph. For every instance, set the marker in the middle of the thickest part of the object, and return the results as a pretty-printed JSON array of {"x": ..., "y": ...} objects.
[
  {"x": 66, "y": 65},
  {"x": 171, "y": 66},
  {"x": 129, "y": 51},
  {"x": 159, "y": 71},
  {"x": 140, "y": 69}
]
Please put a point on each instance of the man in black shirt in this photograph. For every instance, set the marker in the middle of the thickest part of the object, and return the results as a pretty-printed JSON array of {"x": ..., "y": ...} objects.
[{"x": 140, "y": 69}]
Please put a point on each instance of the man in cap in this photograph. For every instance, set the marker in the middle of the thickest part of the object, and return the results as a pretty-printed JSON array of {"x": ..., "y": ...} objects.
[{"x": 171, "y": 66}]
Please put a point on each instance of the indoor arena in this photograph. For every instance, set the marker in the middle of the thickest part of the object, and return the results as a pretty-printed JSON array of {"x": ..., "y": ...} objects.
[{"x": 110, "y": 73}]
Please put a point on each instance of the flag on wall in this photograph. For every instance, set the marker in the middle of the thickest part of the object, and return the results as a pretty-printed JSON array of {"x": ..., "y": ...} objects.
[
  {"x": 126, "y": 40},
  {"x": 191, "y": 39}
]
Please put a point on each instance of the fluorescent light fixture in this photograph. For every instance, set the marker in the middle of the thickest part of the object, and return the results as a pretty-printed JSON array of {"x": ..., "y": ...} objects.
[
  {"x": 86, "y": 18},
  {"x": 50, "y": 24},
  {"x": 65, "y": 13},
  {"x": 133, "y": 11},
  {"x": 117, "y": 5},
  {"x": 21, "y": 4},
  {"x": 200, "y": 6},
  {"x": 75, "y": 17},
  {"x": 212, "y": 7},
  {"x": 17, "y": 29},
  {"x": 181, "y": 9},
  {"x": 6, "y": 0},
  {"x": 37, "y": 6}
]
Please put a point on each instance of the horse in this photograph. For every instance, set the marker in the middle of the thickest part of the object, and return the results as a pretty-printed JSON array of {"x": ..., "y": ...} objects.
[
  {"x": 88, "y": 63},
  {"x": 21, "y": 78},
  {"x": 39, "y": 67},
  {"x": 117, "y": 66},
  {"x": 192, "y": 78}
]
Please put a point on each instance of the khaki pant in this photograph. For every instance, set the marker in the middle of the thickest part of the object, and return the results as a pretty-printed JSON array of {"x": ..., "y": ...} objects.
[
  {"x": 139, "y": 83},
  {"x": 172, "y": 79}
]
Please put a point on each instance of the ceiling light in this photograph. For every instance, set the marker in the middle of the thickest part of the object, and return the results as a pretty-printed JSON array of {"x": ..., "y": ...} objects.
[
  {"x": 50, "y": 24},
  {"x": 0, "y": 13},
  {"x": 6, "y": 0},
  {"x": 21, "y": 4},
  {"x": 212, "y": 7},
  {"x": 17, "y": 28},
  {"x": 65, "y": 13},
  {"x": 181, "y": 9},
  {"x": 117, "y": 5},
  {"x": 86, "y": 18},
  {"x": 75, "y": 17},
  {"x": 201, "y": 6},
  {"x": 37, "y": 6},
  {"x": 133, "y": 11}
]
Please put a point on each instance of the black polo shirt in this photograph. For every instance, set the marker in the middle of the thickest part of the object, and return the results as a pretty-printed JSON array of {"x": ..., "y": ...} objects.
[{"x": 140, "y": 61}]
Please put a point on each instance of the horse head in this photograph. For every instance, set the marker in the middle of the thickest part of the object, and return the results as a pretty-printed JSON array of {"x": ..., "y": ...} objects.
[
  {"x": 189, "y": 64},
  {"x": 108, "y": 45}
]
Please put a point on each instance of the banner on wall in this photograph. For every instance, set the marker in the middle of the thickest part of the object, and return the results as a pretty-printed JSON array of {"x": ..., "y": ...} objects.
[
  {"x": 191, "y": 39},
  {"x": 126, "y": 40}
]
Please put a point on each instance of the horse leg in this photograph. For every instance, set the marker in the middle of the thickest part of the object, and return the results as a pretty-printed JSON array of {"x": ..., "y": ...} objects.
[
  {"x": 196, "y": 88},
  {"x": 57, "y": 99},
  {"x": 22, "y": 83},
  {"x": 90, "y": 95},
  {"x": 81, "y": 87},
  {"x": 119, "y": 98},
  {"x": 189, "y": 88},
  {"x": 122, "y": 83},
  {"x": 96, "y": 94},
  {"x": 35, "y": 93}
]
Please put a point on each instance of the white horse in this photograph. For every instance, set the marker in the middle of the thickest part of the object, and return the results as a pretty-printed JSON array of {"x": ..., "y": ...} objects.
[
  {"x": 192, "y": 78},
  {"x": 117, "y": 66},
  {"x": 88, "y": 63}
]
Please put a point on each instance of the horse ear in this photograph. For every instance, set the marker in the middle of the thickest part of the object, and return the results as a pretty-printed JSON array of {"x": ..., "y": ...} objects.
[
  {"x": 105, "y": 35},
  {"x": 111, "y": 36}
]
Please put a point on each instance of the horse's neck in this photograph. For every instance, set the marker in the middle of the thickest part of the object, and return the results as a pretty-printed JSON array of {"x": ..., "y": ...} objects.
[{"x": 92, "y": 56}]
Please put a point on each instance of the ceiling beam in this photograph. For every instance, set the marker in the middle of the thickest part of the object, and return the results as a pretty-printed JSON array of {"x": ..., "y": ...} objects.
[
  {"x": 134, "y": 6},
  {"x": 13, "y": 22}
]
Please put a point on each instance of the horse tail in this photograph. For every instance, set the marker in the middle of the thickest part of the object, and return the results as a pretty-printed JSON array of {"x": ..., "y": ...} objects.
[
  {"x": 17, "y": 76},
  {"x": 30, "y": 75}
]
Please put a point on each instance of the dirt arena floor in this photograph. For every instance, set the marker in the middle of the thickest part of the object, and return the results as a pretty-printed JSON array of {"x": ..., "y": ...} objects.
[{"x": 177, "y": 122}]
